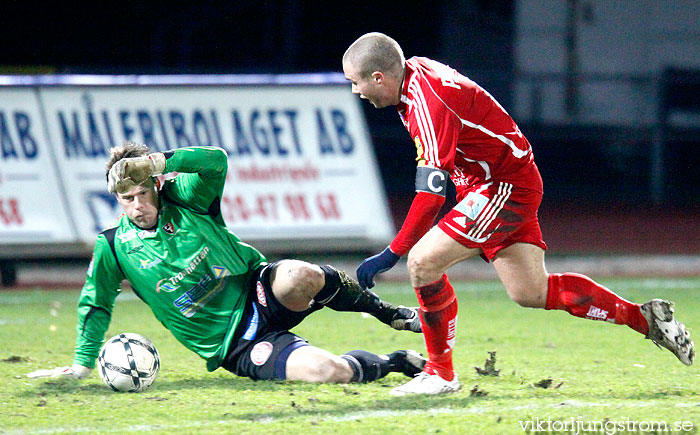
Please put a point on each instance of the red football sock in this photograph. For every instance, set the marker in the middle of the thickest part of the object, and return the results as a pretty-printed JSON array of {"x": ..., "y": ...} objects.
[
  {"x": 438, "y": 315},
  {"x": 582, "y": 297}
]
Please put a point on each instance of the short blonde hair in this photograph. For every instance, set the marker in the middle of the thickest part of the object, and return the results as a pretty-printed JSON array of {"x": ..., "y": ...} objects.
[{"x": 375, "y": 52}]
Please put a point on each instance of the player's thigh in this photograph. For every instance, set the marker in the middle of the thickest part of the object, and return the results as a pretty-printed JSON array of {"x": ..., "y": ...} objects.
[
  {"x": 435, "y": 252},
  {"x": 294, "y": 283},
  {"x": 521, "y": 269},
  {"x": 313, "y": 364}
]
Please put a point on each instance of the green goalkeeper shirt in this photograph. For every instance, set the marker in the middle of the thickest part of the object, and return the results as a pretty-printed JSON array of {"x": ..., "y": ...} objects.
[{"x": 190, "y": 269}]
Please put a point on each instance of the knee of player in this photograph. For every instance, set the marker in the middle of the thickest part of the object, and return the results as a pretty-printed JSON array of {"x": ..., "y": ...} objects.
[
  {"x": 421, "y": 269},
  {"x": 331, "y": 370},
  {"x": 305, "y": 277}
]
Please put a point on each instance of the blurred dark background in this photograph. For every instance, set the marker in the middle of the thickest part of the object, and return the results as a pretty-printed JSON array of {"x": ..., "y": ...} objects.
[{"x": 604, "y": 179}]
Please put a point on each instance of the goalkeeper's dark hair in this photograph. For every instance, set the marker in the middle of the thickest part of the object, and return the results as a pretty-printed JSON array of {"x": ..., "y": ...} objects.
[{"x": 126, "y": 150}]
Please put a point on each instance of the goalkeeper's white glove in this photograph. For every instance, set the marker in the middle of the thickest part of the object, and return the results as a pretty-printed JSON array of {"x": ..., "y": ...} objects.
[
  {"x": 130, "y": 172},
  {"x": 75, "y": 371}
]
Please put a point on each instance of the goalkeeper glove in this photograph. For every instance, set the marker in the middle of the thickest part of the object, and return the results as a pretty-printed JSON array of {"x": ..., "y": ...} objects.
[
  {"x": 130, "y": 172},
  {"x": 375, "y": 264},
  {"x": 75, "y": 371}
]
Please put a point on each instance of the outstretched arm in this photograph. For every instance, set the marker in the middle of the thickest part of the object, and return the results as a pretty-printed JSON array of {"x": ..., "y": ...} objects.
[
  {"x": 102, "y": 285},
  {"x": 97, "y": 297},
  {"x": 431, "y": 187},
  {"x": 75, "y": 371}
]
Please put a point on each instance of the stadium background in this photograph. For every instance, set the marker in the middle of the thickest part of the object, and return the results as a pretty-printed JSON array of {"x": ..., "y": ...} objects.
[{"x": 607, "y": 92}]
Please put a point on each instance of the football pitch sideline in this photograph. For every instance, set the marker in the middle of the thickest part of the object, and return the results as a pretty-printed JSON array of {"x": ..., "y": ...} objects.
[{"x": 553, "y": 373}]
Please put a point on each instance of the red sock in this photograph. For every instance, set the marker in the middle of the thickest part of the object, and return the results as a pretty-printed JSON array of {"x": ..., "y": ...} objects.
[
  {"x": 582, "y": 297},
  {"x": 438, "y": 315}
]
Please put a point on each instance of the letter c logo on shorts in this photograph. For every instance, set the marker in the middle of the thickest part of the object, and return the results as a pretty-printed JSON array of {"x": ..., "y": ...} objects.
[{"x": 261, "y": 353}]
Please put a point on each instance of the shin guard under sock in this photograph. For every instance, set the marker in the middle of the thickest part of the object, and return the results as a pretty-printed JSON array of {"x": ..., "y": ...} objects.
[
  {"x": 342, "y": 293},
  {"x": 438, "y": 313},
  {"x": 367, "y": 367},
  {"x": 582, "y": 297}
]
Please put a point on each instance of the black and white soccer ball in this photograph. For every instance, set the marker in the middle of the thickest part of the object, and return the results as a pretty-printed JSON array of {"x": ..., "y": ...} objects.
[{"x": 128, "y": 362}]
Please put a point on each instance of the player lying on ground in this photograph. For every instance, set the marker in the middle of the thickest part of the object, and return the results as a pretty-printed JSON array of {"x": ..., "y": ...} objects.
[
  {"x": 462, "y": 133},
  {"x": 217, "y": 295}
]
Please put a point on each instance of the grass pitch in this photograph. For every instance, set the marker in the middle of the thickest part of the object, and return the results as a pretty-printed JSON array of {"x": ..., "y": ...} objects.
[{"x": 557, "y": 373}]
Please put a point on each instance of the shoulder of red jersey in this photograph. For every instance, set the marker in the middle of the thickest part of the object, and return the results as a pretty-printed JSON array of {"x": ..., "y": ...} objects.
[{"x": 438, "y": 80}]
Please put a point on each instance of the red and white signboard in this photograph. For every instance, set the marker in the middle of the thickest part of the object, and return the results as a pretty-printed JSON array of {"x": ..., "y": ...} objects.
[
  {"x": 301, "y": 168},
  {"x": 32, "y": 206}
]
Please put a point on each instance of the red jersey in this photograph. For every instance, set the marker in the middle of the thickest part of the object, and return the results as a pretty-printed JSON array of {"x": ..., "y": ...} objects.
[{"x": 459, "y": 127}]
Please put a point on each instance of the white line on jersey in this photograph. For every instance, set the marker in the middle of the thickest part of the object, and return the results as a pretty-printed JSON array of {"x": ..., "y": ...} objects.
[
  {"x": 431, "y": 145},
  {"x": 489, "y": 214},
  {"x": 517, "y": 152}
]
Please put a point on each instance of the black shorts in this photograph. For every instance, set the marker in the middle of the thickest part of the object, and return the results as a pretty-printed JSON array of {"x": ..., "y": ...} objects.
[{"x": 262, "y": 344}]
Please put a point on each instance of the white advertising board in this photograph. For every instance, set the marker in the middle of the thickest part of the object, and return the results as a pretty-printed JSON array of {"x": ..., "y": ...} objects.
[
  {"x": 301, "y": 168},
  {"x": 32, "y": 210}
]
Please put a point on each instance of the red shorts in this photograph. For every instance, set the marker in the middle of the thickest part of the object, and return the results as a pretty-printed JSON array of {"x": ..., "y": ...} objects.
[{"x": 493, "y": 216}]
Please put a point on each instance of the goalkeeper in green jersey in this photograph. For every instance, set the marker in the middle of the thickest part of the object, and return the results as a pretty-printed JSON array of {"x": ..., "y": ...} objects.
[{"x": 217, "y": 295}]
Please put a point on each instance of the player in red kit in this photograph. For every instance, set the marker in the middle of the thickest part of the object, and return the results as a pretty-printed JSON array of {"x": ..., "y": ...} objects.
[{"x": 462, "y": 133}]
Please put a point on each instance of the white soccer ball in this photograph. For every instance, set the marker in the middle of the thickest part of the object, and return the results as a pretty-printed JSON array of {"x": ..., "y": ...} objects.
[{"x": 128, "y": 362}]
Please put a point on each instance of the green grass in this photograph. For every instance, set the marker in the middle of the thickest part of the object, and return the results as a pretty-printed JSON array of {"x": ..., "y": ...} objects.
[{"x": 600, "y": 372}]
